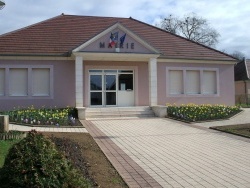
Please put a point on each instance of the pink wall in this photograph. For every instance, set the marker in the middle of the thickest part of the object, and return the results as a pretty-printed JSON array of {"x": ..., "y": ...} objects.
[
  {"x": 63, "y": 81},
  {"x": 64, "y": 84},
  {"x": 226, "y": 86},
  {"x": 142, "y": 93}
]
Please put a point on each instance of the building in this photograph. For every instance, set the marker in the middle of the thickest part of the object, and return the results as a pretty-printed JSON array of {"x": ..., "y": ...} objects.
[
  {"x": 86, "y": 61},
  {"x": 242, "y": 82}
]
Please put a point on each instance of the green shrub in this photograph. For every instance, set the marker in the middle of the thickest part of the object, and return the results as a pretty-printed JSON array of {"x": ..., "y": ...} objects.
[
  {"x": 35, "y": 162},
  {"x": 192, "y": 112}
]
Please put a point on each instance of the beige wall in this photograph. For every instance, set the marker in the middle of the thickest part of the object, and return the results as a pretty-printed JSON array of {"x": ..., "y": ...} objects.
[
  {"x": 226, "y": 86},
  {"x": 63, "y": 82},
  {"x": 242, "y": 92}
]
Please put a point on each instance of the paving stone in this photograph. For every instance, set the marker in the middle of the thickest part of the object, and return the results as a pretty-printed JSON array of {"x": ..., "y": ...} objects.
[{"x": 191, "y": 155}]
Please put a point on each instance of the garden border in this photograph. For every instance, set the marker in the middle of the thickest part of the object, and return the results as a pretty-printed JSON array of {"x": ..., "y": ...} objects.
[
  {"x": 46, "y": 126},
  {"x": 224, "y": 131},
  {"x": 212, "y": 120}
]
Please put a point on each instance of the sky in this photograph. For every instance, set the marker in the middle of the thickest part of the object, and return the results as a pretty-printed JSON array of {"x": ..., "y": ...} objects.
[{"x": 231, "y": 18}]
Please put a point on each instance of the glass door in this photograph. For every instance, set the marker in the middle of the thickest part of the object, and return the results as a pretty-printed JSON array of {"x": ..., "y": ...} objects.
[
  {"x": 110, "y": 90},
  {"x": 96, "y": 90},
  {"x": 103, "y": 87}
]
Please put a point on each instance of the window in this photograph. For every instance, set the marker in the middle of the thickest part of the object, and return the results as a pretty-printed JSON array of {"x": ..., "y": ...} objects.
[
  {"x": 2, "y": 81},
  {"x": 26, "y": 81},
  {"x": 210, "y": 82},
  {"x": 176, "y": 81},
  {"x": 40, "y": 82},
  {"x": 125, "y": 82},
  {"x": 18, "y": 82},
  {"x": 192, "y": 81}
]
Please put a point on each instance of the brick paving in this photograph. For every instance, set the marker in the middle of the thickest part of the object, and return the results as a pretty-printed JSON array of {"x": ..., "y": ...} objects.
[
  {"x": 130, "y": 171},
  {"x": 164, "y": 153}
]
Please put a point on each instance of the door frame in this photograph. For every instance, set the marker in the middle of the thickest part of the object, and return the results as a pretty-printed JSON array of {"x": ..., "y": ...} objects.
[{"x": 116, "y": 73}]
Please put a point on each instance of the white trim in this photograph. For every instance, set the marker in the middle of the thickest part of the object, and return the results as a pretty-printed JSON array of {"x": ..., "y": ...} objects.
[
  {"x": 245, "y": 62},
  {"x": 42, "y": 58},
  {"x": 115, "y": 56},
  {"x": 110, "y": 29},
  {"x": 195, "y": 61},
  {"x": 152, "y": 68},
  {"x": 79, "y": 81},
  {"x": 184, "y": 69}
]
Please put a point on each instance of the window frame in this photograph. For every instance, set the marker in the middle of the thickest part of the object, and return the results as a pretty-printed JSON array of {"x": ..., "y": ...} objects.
[
  {"x": 184, "y": 72},
  {"x": 4, "y": 81},
  {"x": 29, "y": 95}
]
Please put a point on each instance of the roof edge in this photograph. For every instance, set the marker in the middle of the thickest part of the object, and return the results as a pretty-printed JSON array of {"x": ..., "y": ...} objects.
[
  {"x": 121, "y": 27},
  {"x": 223, "y": 53},
  {"x": 31, "y": 25}
]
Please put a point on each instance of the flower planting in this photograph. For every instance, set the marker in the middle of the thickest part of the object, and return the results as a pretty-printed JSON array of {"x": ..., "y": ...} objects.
[
  {"x": 43, "y": 116},
  {"x": 204, "y": 112}
]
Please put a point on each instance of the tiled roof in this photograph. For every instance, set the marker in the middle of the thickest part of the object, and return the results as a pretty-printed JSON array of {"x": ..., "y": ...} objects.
[
  {"x": 61, "y": 34},
  {"x": 241, "y": 70}
]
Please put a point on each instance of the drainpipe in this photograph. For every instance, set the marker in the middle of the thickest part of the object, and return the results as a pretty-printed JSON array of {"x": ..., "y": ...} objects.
[{"x": 246, "y": 94}]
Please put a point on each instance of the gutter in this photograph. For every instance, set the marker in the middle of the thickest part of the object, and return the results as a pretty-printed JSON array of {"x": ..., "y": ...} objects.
[{"x": 67, "y": 54}]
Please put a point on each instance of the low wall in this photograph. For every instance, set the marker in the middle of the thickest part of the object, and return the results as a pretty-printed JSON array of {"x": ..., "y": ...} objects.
[
  {"x": 4, "y": 123},
  {"x": 160, "y": 111}
]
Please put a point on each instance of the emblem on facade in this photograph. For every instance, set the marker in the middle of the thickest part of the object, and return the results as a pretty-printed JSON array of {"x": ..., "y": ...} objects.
[{"x": 114, "y": 42}]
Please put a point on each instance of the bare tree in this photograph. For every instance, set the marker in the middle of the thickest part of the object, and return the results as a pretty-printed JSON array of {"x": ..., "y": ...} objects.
[
  {"x": 2, "y": 4},
  {"x": 170, "y": 24},
  {"x": 192, "y": 27},
  {"x": 238, "y": 55}
]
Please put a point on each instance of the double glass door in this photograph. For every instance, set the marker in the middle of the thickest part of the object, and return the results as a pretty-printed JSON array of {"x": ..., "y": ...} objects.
[
  {"x": 111, "y": 87},
  {"x": 103, "y": 86}
]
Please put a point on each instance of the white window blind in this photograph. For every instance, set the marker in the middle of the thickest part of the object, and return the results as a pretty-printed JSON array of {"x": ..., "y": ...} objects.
[
  {"x": 209, "y": 82},
  {"x": 2, "y": 81},
  {"x": 176, "y": 81},
  {"x": 41, "y": 82},
  {"x": 18, "y": 82},
  {"x": 193, "y": 82}
]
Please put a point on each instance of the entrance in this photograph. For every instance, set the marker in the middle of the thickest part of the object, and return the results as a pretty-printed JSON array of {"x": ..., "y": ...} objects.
[{"x": 111, "y": 87}]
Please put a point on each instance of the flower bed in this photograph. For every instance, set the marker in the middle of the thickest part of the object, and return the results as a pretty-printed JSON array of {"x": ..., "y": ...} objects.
[
  {"x": 43, "y": 116},
  {"x": 204, "y": 112}
]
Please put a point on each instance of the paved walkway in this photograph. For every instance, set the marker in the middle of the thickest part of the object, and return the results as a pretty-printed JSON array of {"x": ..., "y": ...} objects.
[
  {"x": 158, "y": 152},
  {"x": 241, "y": 118},
  {"x": 46, "y": 129},
  {"x": 165, "y": 153}
]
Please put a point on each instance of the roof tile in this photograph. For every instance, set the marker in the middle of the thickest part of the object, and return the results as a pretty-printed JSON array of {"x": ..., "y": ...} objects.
[{"x": 61, "y": 34}]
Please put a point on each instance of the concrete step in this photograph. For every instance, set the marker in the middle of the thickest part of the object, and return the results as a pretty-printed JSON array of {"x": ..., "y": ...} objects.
[{"x": 118, "y": 112}]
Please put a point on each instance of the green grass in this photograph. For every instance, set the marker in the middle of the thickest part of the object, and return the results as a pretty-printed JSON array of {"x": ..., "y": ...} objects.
[
  {"x": 242, "y": 129},
  {"x": 5, "y": 145}
]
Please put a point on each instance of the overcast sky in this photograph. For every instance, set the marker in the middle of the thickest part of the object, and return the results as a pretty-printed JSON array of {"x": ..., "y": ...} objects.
[{"x": 231, "y": 18}]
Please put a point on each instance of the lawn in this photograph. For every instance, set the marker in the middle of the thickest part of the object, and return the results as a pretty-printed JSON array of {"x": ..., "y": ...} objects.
[
  {"x": 4, "y": 148},
  {"x": 241, "y": 129}
]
